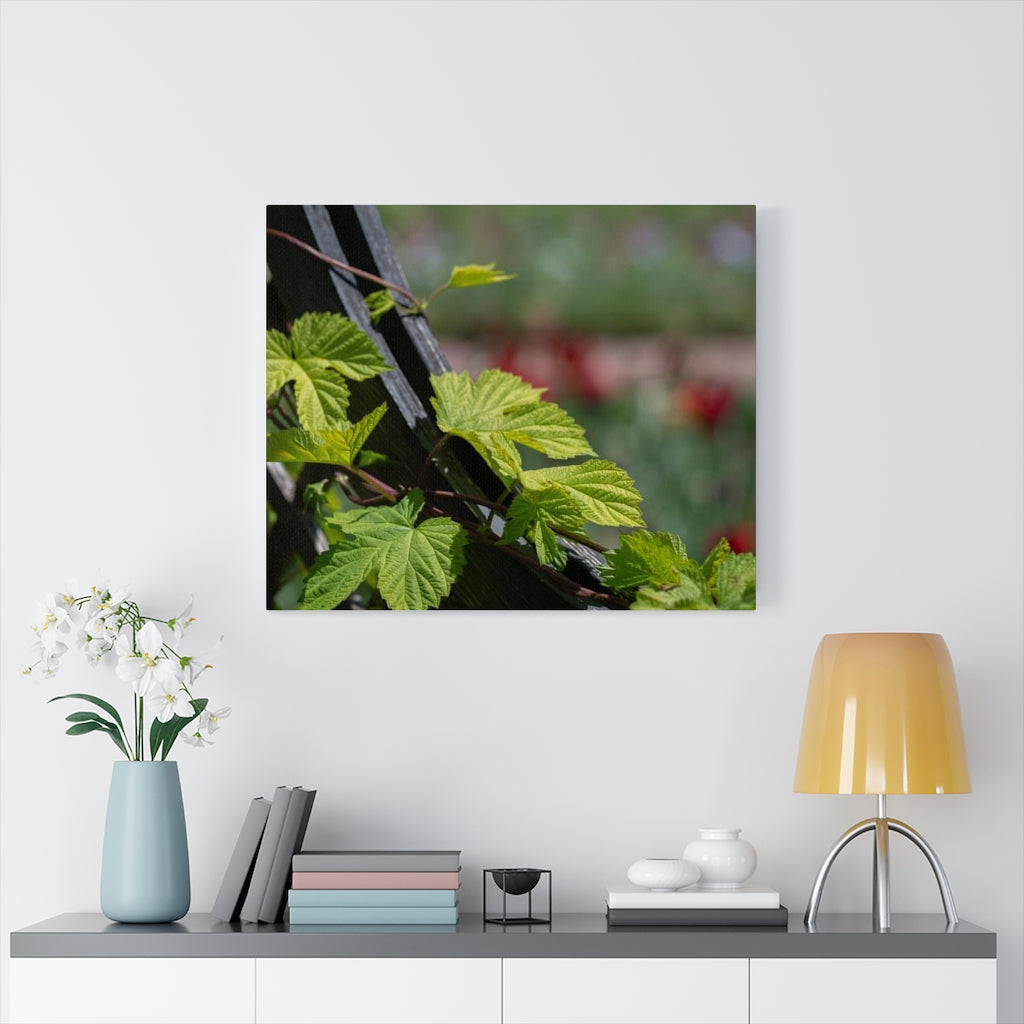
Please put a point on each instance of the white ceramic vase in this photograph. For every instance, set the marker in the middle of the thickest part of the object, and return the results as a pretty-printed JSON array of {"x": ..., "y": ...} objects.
[
  {"x": 725, "y": 860},
  {"x": 662, "y": 874}
]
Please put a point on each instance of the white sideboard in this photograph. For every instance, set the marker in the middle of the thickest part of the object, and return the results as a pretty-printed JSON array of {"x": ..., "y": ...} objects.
[{"x": 81, "y": 968}]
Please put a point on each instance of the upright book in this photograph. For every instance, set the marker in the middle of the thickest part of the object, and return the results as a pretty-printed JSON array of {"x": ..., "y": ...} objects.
[
  {"x": 376, "y": 860},
  {"x": 293, "y": 831},
  {"x": 239, "y": 870},
  {"x": 265, "y": 857}
]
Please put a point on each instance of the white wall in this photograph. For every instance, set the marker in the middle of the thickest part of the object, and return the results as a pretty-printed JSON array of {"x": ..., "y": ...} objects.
[{"x": 882, "y": 145}]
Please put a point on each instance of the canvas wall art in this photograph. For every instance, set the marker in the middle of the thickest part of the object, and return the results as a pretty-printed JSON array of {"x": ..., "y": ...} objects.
[{"x": 510, "y": 407}]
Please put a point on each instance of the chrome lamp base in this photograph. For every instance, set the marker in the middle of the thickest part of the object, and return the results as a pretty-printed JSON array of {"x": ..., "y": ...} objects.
[{"x": 882, "y": 825}]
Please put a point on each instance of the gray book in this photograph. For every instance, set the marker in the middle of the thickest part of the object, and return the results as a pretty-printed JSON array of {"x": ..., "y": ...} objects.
[
  {"x": 239, "y": 870},
  {"x": 293, "y": 831},
  {"x": 376, "y": 860},
  {"x": 265, "y": 858}
]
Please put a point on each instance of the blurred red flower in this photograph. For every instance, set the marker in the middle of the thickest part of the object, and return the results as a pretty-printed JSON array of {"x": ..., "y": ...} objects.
[{"x": 703, "y": 403}]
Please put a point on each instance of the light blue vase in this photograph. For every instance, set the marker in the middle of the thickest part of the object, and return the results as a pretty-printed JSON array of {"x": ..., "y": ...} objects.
[{"x": 145, "y": 875}]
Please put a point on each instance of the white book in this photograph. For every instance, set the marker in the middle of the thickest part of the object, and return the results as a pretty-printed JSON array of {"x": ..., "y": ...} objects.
[{"x": 746, "y": 897}]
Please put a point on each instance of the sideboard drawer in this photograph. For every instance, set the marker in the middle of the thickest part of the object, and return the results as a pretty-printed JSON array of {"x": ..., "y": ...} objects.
[
  {"x": 373, "y": 990},
  {"x": 127, "y": 990},
  {"x": 851, "y": 991},
  {"x": 640, "y": 991}
]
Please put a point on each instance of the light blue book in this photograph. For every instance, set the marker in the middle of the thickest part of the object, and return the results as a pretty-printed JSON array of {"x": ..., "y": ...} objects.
[
  {"x": 371, "y": 897},
  {"x": 373, "y": 915}
]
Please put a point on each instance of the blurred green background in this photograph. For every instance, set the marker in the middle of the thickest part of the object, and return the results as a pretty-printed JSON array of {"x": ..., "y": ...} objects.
[{"x": 640, "y": 321}]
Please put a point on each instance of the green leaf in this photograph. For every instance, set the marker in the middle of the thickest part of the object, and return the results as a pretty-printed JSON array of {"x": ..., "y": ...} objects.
[
  {"x": 545, "y": 543},
  {"x": 647, "y": 558},
  {"x": 368, "y": 458},
  {"x": 737, "y": 582},
  {"x": 107, "y": 727},
  {"x": 714, "y": 561},
  {"x": 499, "y": 410},
  {"x": 606, "y": 493},
  {"x": 532, "y": 514},
  {"x": 474, "y": 274},
  {"x": 415, "y": 565},
  {"x": 154, "y": 737},
  {"x": 547, "y": 428},
  {"x": 83, "y": 727},
  {"x": 553, "y": 505},
  {"x": 379, "y": 303},
  {"x": 323, "y": 350},
  {"x": 459, "y": 400},
  {"x": 688, "y": 595},
  {"x": 337, "y": 447},
  {"x": 336, "y": 574},
  {"x": 87, "y": 716},
  {"x": 102, "y": 704}
]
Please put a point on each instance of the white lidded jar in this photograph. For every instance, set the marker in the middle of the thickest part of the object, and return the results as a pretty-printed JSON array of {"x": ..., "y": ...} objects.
[
  {"x": 725, "y": 860},
  {"x": 662, "y": 874}
]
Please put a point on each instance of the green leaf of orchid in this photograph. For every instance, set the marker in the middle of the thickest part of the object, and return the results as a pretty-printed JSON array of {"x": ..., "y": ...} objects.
[
  {"x": 337, "y": 447},
  {"x": 323, "y": 350},
  {"x": 83, "y": 727},
  {"x": 605, "y": 492},
  {"x": 109, "y": 708},
  {"x": 415, "y": 564},
  {"x": 473, "y": 274}
]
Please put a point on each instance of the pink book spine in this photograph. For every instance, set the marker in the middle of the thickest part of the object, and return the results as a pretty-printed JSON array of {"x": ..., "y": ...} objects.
[{"x": 375, "y": 879}]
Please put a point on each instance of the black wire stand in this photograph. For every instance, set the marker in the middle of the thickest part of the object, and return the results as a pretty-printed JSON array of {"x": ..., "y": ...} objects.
[{"x": 516, "y": 882}]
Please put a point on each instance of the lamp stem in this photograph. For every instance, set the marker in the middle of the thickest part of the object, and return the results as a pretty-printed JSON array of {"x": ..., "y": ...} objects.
[{"x": 880, "y": 907}]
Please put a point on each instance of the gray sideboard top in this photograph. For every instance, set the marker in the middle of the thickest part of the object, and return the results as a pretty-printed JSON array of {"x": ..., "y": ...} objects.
[{"x": 569, "y": 935}]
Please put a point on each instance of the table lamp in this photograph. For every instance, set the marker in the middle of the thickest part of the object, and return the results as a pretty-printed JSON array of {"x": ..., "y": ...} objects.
[{"x": 882, "y": 716}]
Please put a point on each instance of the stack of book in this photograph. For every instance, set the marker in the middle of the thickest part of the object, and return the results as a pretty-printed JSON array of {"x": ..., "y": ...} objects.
[
  {"x": 367, "y": 890},
  {"x": 749, "y": 906},
  {"x": 255, "y": 883}
]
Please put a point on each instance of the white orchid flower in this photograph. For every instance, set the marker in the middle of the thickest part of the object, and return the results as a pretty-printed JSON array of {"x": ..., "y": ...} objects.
[
  {"x": 47, "y": 662},
  {"x": 50, "y": 619},
  {"x": 143, "y": 667},
  {"x": 180, "y": 622},
  {"x": 199, "y": 663},
  {"x": 195, "y": 739},
  {"x": 69, "y": 601},
  {"x": 108, "y": 621},
  {"x": 106, "y": 599},
  {"x": 210, "y": 720},
  {"x": 168, "y": 698}
]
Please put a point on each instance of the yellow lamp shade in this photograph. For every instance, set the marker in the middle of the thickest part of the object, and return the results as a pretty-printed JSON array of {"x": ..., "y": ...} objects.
[{"x": 882, "y": 716}]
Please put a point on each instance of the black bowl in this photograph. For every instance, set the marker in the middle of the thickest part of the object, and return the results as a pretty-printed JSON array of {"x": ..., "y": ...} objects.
[{"x": 516, "y": 881}]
